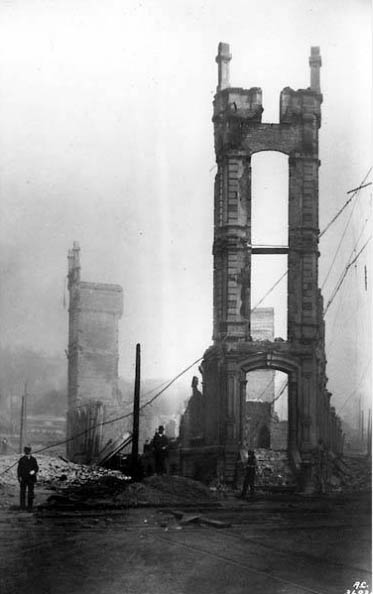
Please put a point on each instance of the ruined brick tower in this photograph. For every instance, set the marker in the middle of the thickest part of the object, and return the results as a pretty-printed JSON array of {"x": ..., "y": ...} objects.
[
  {"x": 239, "y": 134},
  {"x": 94, "y": 313}
]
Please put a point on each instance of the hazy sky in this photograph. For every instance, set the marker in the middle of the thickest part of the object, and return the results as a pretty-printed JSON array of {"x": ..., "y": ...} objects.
[{"x": 106, "y": 138}]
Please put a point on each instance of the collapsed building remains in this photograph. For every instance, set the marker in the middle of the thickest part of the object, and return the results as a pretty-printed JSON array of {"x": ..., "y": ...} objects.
[
  {"x": 93, "y": 395},
  {"x": 237, "y": 350}
]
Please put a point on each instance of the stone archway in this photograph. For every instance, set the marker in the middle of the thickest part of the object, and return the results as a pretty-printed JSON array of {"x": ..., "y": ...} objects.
[{"x": 278, "y": 362}]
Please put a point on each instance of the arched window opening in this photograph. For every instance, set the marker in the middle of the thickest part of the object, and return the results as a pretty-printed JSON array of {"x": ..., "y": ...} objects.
[
  {"x": 266, "y": 410},
  {"x": 269, "y": 198}
]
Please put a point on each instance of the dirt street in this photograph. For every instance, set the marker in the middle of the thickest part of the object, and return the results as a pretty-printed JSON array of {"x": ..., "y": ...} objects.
[{"x": 270, "y": 545}]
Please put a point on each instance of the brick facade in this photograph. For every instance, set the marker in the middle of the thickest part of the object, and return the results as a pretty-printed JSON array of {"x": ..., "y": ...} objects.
[{"x": 94, "y": 313}]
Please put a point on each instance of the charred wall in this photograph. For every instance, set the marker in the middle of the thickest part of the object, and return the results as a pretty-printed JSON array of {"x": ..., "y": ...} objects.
[{"x": 93, "y": 395}]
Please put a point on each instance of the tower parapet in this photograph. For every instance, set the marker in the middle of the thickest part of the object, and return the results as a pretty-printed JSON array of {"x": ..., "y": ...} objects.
[
  {"x": 315, "y": 65},
  {"x": 222, "y": 59}
]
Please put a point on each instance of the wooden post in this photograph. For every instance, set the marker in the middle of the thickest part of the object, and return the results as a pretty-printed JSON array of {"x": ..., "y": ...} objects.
[
  {"x": 23, "y": 424},
  {"x": 369, "y": 435},
  {"x": 362, "y": 428},
  {"x": 12, "y": 423},
  {"x": 136, "y": 416}
]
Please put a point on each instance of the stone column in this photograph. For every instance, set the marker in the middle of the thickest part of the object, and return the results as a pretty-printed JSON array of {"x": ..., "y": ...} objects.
[
  {"x": 305, "y": 412},
  {"x": 231, "y": 252},
  {"x": 242, "y": 419},
  {"x": 293, "y": 413},
  {"x": 233, "y": 405}
]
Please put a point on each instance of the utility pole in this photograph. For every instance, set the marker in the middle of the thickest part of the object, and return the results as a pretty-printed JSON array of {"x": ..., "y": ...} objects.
[
  {"x": 23, "y": 425},
  {"x": 369, "y": 436},
  {"x": 11, "y": 413},
  {"x": 362, "y": 429},
  {"x": 136, "y": 416}
]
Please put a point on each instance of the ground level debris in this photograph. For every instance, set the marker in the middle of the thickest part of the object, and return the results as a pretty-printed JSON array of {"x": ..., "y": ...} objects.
[{"x": 109, "y": 492}]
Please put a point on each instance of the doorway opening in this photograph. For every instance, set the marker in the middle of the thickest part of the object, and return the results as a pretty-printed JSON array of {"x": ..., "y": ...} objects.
[{"x": 266, "y": 410}]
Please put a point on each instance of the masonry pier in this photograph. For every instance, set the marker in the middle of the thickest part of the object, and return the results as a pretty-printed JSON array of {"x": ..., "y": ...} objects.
[{"x": 312, "y": 423}]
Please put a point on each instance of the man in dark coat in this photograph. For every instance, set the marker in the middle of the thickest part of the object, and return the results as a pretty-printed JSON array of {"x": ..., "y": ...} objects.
[
  {"x": 26, "y": 473},
  {"x": 160, "y": 449},
  {"x": 250, "y": 470},
  {"x": 4, "y": 446}
]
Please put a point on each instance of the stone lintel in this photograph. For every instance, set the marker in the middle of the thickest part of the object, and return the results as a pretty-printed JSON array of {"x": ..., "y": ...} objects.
[{"x": 101, "y": 287}]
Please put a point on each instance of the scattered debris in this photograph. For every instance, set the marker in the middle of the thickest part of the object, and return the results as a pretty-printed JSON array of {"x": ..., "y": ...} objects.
[
  {"x": 108, "y": 491},
  {"x": 214, "y": 523},
  {"x": 190, "y": 519},
  {"x": 62, "y": 476},
  {"x": 350, "y": 474},
  {"x": 185, "y": 519}
]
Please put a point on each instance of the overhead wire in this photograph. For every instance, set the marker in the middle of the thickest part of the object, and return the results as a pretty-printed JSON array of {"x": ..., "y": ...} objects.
[
  {"x": 282, "y": 390},
  {"x": 355, "y": 192},
  {"x": 357, "y": 387},
  {"x": 344, "y": 274},
  {"x": 110, "y": 421},
  {"x": 276, "y": 397},
  {"x": 265, "y": 389},
  {"x": 270, "y": 290},
  {"x": 340, "y": 300},
  {"x": 341, "y": 240},
  {"x": 129, "y": 404},
  {"x": 338, "y": 247},
  {"x": 149, "y": 402},
  {"x": 253, "y": 309}
]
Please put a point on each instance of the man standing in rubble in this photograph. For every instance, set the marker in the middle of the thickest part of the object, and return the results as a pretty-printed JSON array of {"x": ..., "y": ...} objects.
[
  {"x": 160, "y": 449},
  {"x": 4, "y": 446},
  {"x": 250, "y": 471},
  {"x": 26, "y": 473}
]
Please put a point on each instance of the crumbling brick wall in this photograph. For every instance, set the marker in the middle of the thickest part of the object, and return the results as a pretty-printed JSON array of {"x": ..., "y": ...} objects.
[{"x": 93, "y": 395}]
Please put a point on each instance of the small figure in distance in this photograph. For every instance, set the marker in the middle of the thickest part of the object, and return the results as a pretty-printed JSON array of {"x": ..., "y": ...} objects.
[
  {"x": 160, "y": 449},
  {"x": 4, "y": 446},
  {"x": 250, "y": 470},
  {"x": 26, "y": 473}
]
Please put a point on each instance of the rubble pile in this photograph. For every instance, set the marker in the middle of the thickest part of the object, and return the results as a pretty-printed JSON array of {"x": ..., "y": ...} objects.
[
  {"x": 179, "y": 486},
  {"x": 109, "y": 492},
  {"x": 55, "y": 471},
  {"x": 77, "y": 484},
  {"x": 273, "y": 470},
  {"x": 350, "y": 474}
]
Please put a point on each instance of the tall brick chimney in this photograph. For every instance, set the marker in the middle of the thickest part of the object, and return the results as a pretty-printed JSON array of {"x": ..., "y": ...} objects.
[
  {"x": 315, "y": 65},
  {"x": 222, "y": 59}
]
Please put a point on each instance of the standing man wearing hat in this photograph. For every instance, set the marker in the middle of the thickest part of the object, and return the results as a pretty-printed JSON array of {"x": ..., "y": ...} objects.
[
  {"x": 26, "y": 473},
  {"x": 250, "y": 470},
  {"x": 160, "y": 449}
]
